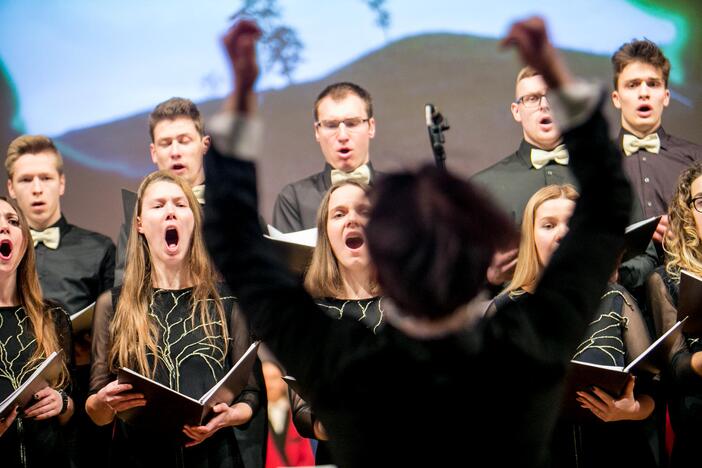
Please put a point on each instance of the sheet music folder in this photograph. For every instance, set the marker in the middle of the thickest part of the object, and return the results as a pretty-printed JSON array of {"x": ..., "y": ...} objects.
[
  {"x": 582, "y": 376},
  {"x": 47, "y": 371},
  {"x": 168, "y": 411}
]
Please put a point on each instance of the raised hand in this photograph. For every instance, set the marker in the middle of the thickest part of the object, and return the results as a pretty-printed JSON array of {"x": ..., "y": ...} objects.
[
  {"x": 531, "y": 40},
  {"x": 240, "y": 45}
]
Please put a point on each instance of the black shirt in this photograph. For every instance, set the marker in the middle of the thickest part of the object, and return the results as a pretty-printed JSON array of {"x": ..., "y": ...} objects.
[
  {"x": 80, "y": 268},
  {"x": 654, "y": 177},
  {"x": 297, "y": 204}
]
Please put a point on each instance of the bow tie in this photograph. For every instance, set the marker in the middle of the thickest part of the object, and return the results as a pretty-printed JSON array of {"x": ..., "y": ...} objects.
[
  {"x": 539, "y": 158},
  {"x": 49, "y": 237},
  {"x": 361, "y": 173},
  {"x": 199, "y": 192},
  {"x": 650, "y": 143}
]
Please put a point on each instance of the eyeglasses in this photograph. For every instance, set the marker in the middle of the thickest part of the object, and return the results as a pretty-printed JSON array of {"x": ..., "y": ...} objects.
[
  {"x": 531, "y": 101},
  {"x": 697, "y": 203},
  {"x": 353, "y": 124}
]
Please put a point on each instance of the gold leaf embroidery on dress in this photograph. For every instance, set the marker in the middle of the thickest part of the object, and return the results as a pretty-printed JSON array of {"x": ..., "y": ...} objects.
[
  {"x": 207, "y": 348},
  {"x": 602, "y": 338},
  {"x": 364, "y": 308},
  {"x": 16, "y": 377}
]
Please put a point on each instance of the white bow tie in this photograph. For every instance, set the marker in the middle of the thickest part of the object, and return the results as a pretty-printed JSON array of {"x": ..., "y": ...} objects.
[
  {"x": 539, "y": 158},
  {"x": 199, "y": 192},
  {"x": 632, "y": 144},
  {"x": 50, "y": 237},
  {"x": 361, "y": 173}
]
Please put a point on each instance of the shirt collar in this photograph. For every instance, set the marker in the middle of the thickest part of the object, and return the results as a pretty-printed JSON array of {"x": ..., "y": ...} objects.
[{"x": 62, "y": 224}]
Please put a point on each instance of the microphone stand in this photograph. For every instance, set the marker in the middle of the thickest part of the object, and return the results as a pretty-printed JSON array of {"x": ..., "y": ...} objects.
[{"x": 437, "y": 125}]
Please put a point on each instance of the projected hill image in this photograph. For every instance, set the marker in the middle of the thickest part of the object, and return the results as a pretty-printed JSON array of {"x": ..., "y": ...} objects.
[{"x": 466, "y": 77}]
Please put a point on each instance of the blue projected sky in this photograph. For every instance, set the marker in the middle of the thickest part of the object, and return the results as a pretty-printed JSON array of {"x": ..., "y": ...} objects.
[{"x": 75, "y": 63}]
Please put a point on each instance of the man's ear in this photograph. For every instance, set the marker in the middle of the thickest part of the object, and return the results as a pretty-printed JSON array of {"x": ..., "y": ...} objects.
[
  {"x": 616, "y": 100},
  {"x": 11, "y": 189},
  {"x": 152, "y": 151},
  {"x": 514, "y": 108},
  {"x": 316, "y": 132},
  {"x": 667, "y": 98},
  {"x": 62, "y": 184},
  {"x": 206, "y": 142},
  {"x": 371, "y": 127}
]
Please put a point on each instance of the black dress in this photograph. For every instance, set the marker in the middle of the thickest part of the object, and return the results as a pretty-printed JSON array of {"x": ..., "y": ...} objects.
[
  {"x": 616, "y": 336},
  {"x": 370, "y": 313},
  {"x": 395, "y": 399},
  {"x": 30, "y": 443},
  {"x": 187, "y": 362}
]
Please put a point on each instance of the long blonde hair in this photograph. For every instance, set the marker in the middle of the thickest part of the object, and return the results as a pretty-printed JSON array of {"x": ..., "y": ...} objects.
[
  {"x": 323, "y": 277},
  {"x": 31, "y": 299},
  {"x": 528, "y": 270},
  {"x": 132, "y": 332},
  {"x": 682, "y": 241}
]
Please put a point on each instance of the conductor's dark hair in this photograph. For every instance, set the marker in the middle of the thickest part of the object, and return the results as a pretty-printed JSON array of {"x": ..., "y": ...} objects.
[{"x": 432, "y": 237}]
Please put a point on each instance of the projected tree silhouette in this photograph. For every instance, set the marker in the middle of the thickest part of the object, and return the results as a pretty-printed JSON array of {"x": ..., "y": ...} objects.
[{"x": 281, "y": 42}]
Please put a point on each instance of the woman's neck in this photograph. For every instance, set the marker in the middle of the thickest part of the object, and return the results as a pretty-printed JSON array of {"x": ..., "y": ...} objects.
[
  {"x": 167, "y": 276},
  {"x": 8, "y": 289},
  {"x": 357, "y": 283}
]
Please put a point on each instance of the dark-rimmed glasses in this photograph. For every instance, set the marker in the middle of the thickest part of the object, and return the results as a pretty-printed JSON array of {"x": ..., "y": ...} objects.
[
  {"x": 531, "y": 101},
  {"x": 353, "y": 124},
  {"x": 696, "y": 203}
]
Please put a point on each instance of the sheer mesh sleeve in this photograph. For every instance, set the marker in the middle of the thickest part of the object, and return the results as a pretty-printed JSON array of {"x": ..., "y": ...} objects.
[
  {"x": 241, "y": 339},
  {"x": 675, "y": 352},
  {"x": 302, "y": 415},
  {"x": 636, "y": 340},
  {"x": 64, "y": 332},
  {"x": 636, "y": 337},
  {"x": 100, "y": 374}
]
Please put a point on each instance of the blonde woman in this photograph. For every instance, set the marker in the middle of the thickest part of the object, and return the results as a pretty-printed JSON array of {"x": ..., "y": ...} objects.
[
  {"x": 616, "y": 335},
  {"x": 340, "y": 275},
  {"x": 30, "y": 330},
  {"x": 171, "y": 321},
  {"x": 342, "y": 280},
  {"x": 683, "y": 252}
]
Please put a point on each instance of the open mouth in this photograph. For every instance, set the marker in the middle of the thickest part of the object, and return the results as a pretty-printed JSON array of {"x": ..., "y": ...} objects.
[
  {"x": 344, "y": 151},
  {"x": 171, "y": 238},
  {"x": 178, "y": 167},
  {"x": 5, "y": 249},
  {"x": 354, "y": 242},
  {"x": 644, "y": 109},
  {"x": 38, "y": 204},
  {"x": 546, "y": 121}
]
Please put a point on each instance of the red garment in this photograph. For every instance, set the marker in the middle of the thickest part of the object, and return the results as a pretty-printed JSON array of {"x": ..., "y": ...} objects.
[{"x": 298, "y": 451}]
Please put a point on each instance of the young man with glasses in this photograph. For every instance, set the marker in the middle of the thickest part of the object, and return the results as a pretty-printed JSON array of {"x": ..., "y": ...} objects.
[
  {"x": 540, "y": 160},
  {"x": 343, "y": 127},
  {"x": 653, "y": 159}
]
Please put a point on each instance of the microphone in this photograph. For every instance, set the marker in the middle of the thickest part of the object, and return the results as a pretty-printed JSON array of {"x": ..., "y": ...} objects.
[{"x": 436, "y": 125}]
